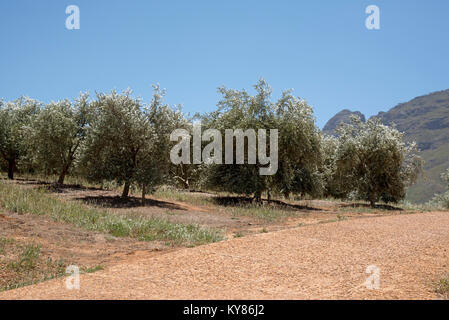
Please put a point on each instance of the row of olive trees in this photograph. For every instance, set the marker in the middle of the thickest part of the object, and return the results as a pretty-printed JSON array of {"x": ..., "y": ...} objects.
[
  {"x": 116, "y": 137},
  {"x": 113, "y": 138}
]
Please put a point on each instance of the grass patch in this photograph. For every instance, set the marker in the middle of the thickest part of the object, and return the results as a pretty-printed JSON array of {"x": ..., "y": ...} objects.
[
  {"x": 443, "y": 287},
  {"x": 22, "y": 265},
  {"x": 262, "y": 212},
  {"x": 92, "y": 269},
  {"x": 25, "y": 200},
  {"x": 183, "y": 196},
  {"x": 3, "y": 243},
  {"x": 28, "y": 259},
  {"x": 426, "y": 207}
]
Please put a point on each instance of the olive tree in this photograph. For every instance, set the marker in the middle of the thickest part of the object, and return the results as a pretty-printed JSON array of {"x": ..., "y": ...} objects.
[
  {"x": 374, "y": 162},
  {"x": 15, "y": 116},
  {"x": 187, "y": 175},
  {"x": 299, "y": 148},
  {"x": 127, "y": 140},
  {"x": 154, "y": 167},
  {"x": 57, "y": 134},
  {"x": 332, "y": 182},
  {"x": 298, "y": 143}
]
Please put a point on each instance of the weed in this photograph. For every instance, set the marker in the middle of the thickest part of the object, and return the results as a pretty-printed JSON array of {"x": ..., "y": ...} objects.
[
  {"x": 92, "y": 269},
  {"x": 25, "y": 200},
  {"x": 443, "y": 287},
  {"x": 28, "y": 259}
]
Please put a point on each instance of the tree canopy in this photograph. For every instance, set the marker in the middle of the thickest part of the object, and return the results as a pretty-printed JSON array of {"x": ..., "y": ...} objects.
[
  {"x": 57, "y": 133},
  {"x": 298, "y": 145},
  {"x": 15, "y": 116},
  {"x": 372, "y": 162},
  {"x": 126, "y": 140},
  {"x": 272, "y": 147}
]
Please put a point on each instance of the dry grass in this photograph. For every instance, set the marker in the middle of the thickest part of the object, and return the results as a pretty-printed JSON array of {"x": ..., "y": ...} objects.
[
  {"x": 23, "y": 264},
  {"x": 443, "y": 287},
  {"x": 25, "y": 200}
]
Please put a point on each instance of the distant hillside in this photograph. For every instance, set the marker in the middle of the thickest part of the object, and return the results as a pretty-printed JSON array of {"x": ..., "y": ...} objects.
[
  {"x": 425, "y": 120},
  {"x": 343, "y": 116}
]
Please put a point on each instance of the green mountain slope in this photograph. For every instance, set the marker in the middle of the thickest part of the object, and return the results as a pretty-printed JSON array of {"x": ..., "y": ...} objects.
[{"x": 425, "y": 120}]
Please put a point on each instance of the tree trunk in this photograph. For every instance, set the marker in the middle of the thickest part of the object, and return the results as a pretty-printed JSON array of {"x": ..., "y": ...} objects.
[
  {"x": 144, "y": 189},
  {"x": 258, "y": 196},
  {"x": 11, "y": 168},
  {"x": 62, "y": 175},
  {"x": 269, "y": 195},
  {"x": 372, "y": 203},
  {"x": 286, "y": 194},
  {"x": 126, "y": 189}
]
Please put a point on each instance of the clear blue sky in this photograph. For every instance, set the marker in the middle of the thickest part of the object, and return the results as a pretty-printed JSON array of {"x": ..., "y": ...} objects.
[{"x": 321, "y": 49}]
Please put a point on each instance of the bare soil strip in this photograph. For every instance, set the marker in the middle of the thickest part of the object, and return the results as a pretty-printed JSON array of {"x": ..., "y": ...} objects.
[{"x": 324, "y": 261}]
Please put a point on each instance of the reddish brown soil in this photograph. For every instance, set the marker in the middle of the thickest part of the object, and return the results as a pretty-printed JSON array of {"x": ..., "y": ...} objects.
[{"x": 321, "y": 261}]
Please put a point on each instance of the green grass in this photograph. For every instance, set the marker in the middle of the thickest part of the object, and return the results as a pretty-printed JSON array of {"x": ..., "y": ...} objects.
[
  {"x": 92, "y": 269},
  {"x": 24, "y": 265},
  {"x": 28, "y": 259},
  {"x": 26, "y": 200},
  {"x": 443, "y": 287},
  {"x": 426, "y": 207},
  {"x": 263, "y": 212},
  {"x": 183, "y": 196},
  {"x": 3, "y": 243}
]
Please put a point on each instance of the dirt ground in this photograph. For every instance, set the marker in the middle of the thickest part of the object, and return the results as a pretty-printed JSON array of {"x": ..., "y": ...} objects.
[
  {"x": 220, "y": 215},
  {"x": 88, "y": 249},
  {"x": 407, "y": 254}
]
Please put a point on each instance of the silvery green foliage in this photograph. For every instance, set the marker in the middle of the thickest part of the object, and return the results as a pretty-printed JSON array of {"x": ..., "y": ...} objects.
[
  {"x": 127, "y": 140},
  {"x": 374, "y": 161},
  {"x": 155, "y": 165},
  {"x": 188, "y": 176},
  {"x": 329, "y": 147},
  {"x": 299, "y": 142},
  {"x": 15, "y": 116},
  {"x": 57, "y": 133},
  {"x": 300, "y": 154},
  {"x": 442, "y": 200}
]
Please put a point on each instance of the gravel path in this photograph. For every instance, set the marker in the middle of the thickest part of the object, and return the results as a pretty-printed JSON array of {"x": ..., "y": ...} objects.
[{"x": 325, "y": 261}]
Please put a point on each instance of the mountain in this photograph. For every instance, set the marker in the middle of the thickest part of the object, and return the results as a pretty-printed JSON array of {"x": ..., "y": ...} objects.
[
  {"x": 342, "y": 116},
  {"x": 424, "y": 119}
]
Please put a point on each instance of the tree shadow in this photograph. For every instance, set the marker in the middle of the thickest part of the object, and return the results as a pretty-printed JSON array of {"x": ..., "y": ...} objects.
[
  {"x": 130, "y": 202},
  {"x": 62, "y": 188},
  {"x": 377, "y": 206},
  {"x": 31, "y": 182},
  {"x": 249, "y": 202},
  {"x": 53, "y": 186}
]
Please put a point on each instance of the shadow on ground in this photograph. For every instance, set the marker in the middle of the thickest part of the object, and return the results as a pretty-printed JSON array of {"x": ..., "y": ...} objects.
[
  {"x": 377, "y": 206},
  {"x": 130, "y": 202},
  {"x": 246, "y": 201}
]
